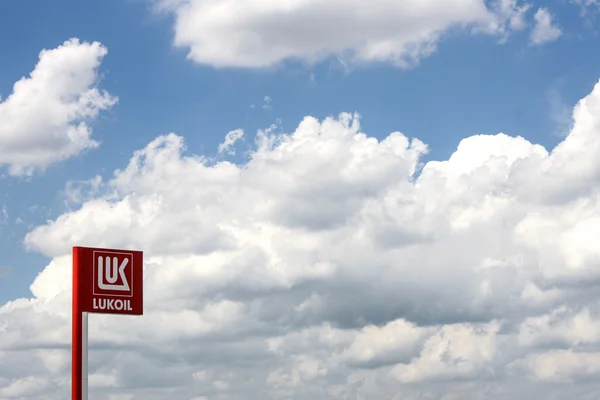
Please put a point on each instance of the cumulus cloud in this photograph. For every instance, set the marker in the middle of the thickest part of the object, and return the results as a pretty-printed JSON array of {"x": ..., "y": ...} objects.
[
  {"x": 45, "y": 119},
  {"x": 262, "y": 33},
  {"x": 509, "y": 16},
  {"x": 545, "y": 29},
  {"x": 333, "y": 264},
  {"x": 230, "y": 140}
]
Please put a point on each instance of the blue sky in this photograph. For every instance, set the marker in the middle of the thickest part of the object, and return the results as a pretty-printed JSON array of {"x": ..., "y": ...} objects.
[{"x": 472, "y": 83}]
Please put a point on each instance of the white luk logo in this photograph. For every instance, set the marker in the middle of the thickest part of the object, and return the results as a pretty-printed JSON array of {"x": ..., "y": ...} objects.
[{"x": 107, "y": 282}]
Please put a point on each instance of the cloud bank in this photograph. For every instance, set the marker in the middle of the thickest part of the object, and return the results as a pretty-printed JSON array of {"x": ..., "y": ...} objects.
[{"x": 333, "y": 265}]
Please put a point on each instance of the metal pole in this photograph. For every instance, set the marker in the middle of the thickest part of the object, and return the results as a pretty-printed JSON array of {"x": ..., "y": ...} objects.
[
  {"x": 84, "y": 356},
  {"x": 77, "y": 334}
]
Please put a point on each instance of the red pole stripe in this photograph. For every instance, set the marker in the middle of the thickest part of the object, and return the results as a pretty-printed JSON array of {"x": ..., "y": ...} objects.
[{"x": 76, "y": 350}]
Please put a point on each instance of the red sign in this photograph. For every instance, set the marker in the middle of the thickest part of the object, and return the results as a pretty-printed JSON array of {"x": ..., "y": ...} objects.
[{"x": 110, "y": 281}]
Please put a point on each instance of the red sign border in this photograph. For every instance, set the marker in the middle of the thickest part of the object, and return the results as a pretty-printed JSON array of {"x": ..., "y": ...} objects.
[{"x": 82, "y": 298}]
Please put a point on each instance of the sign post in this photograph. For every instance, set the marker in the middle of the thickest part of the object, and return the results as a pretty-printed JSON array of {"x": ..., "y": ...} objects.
[{"x": 106, "y": 281}]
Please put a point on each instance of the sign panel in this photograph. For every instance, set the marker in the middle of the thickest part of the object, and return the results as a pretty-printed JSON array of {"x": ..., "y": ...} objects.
[{"x": 110, "y": 280}]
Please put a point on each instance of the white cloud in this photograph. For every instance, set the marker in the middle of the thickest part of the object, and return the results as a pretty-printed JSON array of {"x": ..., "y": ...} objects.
[
  {"x": 455, "y": 351},
  {"x": 509, "y": 17},
  {"x": 564, "y": 366},
  {"x": 559, "y": 113},
  {"x": 325, "y": 266},
  {"x": 267, "y": 103},
  {"x": 587, "y": 5},
  {"x": 230, "y": 139},
  {"x": 545, "y": 29},
  {"x": 261, "y": 33},
  {"x": 79, "y": 191},
  {"x": 26, "y": 387},
  {"x": 44, "y": 119}
]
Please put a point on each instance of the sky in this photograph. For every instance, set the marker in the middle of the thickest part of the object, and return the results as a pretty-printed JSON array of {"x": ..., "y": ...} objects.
[{"x": 352, "y": 199}]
